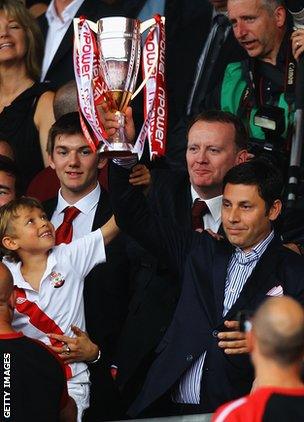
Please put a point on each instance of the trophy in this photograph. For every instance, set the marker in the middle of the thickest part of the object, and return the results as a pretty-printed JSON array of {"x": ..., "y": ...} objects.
[
  {"x": 106, "y": 70},
  {"x": 119, "y": 45}
]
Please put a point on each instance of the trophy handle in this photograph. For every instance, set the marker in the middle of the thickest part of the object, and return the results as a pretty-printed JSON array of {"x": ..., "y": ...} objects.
[
  {"x": 143, "y": 27},
  {"x": 148, "y": 23}
]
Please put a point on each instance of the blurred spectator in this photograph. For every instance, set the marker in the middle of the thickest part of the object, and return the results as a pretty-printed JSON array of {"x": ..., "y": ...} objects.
[
  {"x": 10, "y": 183},
  {"x": 34, "y": 386},
  {"x": 66, "y": 99},
  {"x": 26, "y": 106},
  {"x": 58, "y": 32},
  {"x": 37, "y": 7},
  {"x": 276, "y": 344}
]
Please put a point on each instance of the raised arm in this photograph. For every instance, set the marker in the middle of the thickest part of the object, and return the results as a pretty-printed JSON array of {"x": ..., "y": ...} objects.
[{"x": 109, "y": 230}]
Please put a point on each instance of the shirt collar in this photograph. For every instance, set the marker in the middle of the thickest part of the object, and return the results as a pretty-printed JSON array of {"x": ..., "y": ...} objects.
[
  {"x": 219, "y": 12},
  {"x": 68, "y": 13},
  {"x": 256, "y": 252},
  {"x": 214, "y": 204},
  {"x": 85, "y": 204}
]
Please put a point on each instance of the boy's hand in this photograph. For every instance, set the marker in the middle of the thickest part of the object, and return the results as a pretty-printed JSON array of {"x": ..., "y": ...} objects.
[
  {"x": 75, "y": 349},
  {"x": 233, "y": 342},
  {"x": 140, "y": 175},
  {"x": 111, "y": 124}
]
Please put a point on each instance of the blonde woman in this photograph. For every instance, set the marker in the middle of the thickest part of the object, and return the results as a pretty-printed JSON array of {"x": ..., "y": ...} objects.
[{"x": 26, "y": 106}]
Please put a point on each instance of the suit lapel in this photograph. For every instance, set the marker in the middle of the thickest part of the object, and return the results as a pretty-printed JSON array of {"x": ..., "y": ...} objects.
[
  {"x": 262, "y": 279},
  {"x": 43, "y": 24},
  {"x": 183, "y": 204},
  {"x": 103, "y": 210},
  {"x": 50, "y": 206}
]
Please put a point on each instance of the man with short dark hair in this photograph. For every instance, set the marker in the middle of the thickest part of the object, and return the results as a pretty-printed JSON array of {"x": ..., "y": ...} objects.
[
  {"x": 193, "y": 373},
  {"x": 276, "y": 345}
]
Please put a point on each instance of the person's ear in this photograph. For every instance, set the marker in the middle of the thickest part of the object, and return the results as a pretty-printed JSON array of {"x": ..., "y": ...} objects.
[
  {"x": 10, "y": 243},
  {"x": 275, "y": 210},
  {"x": 102, "y": 162},
  {"x": 51, "y": 162},
  {"x": 241, "y": 157},
  {"x": 280, "y": 16}
]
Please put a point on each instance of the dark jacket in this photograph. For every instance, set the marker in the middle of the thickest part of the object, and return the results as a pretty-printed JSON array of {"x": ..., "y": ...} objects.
[{"x": 202, "y": 264}]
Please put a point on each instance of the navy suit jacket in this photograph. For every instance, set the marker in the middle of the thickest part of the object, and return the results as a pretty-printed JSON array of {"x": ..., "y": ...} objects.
[{"x": 202, "y": 263}]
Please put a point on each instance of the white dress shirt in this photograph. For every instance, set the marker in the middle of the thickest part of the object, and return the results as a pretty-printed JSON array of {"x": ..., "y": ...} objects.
[
  {"x": 83, "y": 223},
  {"x": 58, "y": 26},
  {"x": 212, "y": 220}
]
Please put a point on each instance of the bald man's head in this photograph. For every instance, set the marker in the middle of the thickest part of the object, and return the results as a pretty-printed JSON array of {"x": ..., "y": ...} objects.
[
  {"x": 6, "y": 284},
  {"x": 278, "y": 327}
]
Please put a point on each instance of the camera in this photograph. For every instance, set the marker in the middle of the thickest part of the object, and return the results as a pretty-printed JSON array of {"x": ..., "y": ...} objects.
[{"x": 272, "y": 120}]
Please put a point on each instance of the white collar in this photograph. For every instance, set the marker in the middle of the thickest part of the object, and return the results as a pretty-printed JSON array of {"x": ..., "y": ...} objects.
[
  {"x": 68, "y": 13},
  {"x": 84, "y": 204},
  {"x": 214, "y": 204}
]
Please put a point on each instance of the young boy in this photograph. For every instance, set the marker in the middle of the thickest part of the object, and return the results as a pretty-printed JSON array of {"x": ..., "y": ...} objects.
[{"x": 49, "y": 280}]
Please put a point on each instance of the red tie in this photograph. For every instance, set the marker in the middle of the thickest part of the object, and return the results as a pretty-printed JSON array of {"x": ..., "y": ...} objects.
[
  {"x": 199, "y": 209},
  {"x": 64, "y": 232}
]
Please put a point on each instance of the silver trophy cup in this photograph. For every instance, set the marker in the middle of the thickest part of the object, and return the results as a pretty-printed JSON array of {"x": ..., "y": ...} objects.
[{"x": 119, "y": 44}]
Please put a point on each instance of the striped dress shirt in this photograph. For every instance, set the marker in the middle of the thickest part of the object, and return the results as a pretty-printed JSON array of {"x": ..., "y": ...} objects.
[{"x": 239, "y": 269}]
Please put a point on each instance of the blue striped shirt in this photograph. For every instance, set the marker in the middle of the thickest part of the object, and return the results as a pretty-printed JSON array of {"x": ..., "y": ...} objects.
[{"x": 239, "y": 269}]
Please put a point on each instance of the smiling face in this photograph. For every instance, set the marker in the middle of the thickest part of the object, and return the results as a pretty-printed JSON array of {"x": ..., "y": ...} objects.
[
  {"x": 244, "y": 217},
  {"x": 211, "y": 152},
  {"x": 12, "y": 40},
  {"x": 258, "y": 30},
  {"x": 30, "y": 232},
  {"x": 76, "y": 166}
]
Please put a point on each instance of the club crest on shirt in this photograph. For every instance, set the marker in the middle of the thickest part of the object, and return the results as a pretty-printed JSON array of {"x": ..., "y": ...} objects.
[
  {"x": 57, "y": 279},
  {"x": 20, "y": 300}
]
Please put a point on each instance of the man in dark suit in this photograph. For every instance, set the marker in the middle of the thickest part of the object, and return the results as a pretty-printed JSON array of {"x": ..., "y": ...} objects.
[
  {"x": 216, "y": 142},
  {"x": 198, "y": 365},
  {"x": 106, "y": 287},
  {"x": 57, "y": 28}
]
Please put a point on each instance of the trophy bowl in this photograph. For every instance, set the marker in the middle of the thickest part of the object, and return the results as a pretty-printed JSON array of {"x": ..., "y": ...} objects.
[{"x": 119, "y": 45}]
